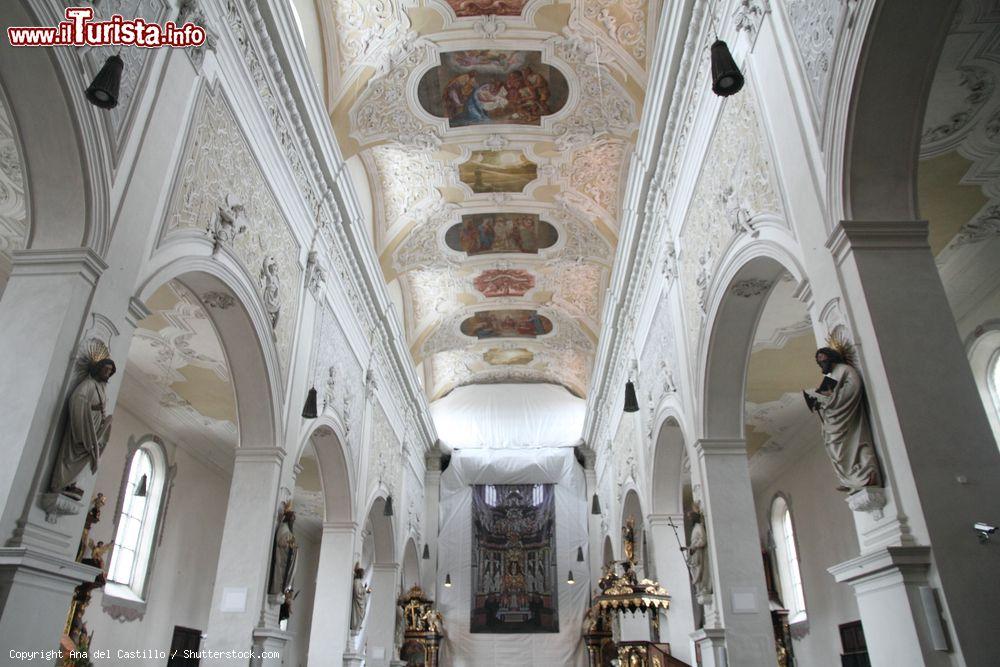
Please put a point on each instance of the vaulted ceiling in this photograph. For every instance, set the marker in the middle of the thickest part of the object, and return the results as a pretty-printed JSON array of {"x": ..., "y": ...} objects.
[{"x": 492, "y": 137}]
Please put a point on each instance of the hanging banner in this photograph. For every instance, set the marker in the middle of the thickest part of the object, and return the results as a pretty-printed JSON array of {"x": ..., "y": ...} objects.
[{"x": 514, "y": 559}]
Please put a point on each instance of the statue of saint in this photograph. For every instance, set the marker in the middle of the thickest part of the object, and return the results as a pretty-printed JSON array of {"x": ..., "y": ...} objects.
[
  {"x": 359, "y": 598},
  {"x": 697, "y": 555},
  {"x": 270, "y": 284},
  {"x": 628, "y": 539},
  {"x": 88, "y": 425},
  {"x": 840, "y": 403},
  {"x": 285, "y": 554}
]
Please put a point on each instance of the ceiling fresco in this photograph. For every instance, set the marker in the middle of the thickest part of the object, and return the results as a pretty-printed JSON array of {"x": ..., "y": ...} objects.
[{"x": 493, "y": 136}]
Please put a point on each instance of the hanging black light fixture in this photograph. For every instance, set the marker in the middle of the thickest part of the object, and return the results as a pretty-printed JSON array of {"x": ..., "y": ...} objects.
[
  {"x": 142, "y": 488},
  {"x": 726, "y": 76},
  {"x": 427, "y": 552},
  {"x": 631, "y": 402},
  {"x": 579, "y": 554},
  {"x": 595, "y": 505},
  {"x": 447, "y": 580},
  {"x": 569, "y": 578},
  {"x": 309, "y": 410},
  {"x": 103, "y": 90},
  {"x": 387, "y": 510}
]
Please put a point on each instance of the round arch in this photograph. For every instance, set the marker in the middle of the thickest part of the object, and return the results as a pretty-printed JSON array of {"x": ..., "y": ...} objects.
[
  {"x": 334, "y": 471},
  {"x": 891, "y": 60},
  {"x": 608, "y": 554},
  {"x": 744, "y": 285},
  {"x": 63, "y": 147},
  {"x": 382, "y": 533},
  {"x": 245, "y": 334},
  {"x": 411, "y": 565},
  {"x": 668, "y": 473}
]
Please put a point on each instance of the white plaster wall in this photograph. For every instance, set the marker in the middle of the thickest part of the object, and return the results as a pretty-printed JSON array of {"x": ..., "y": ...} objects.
[
  {"x": 180, "y": 585},
  {"x": 825, "y": 536},
  {"x": 296, "y": 653}
]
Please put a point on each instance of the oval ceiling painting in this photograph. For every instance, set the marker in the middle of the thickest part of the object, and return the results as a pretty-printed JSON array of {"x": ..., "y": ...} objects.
[
  {"x": 506, "y": 324},
  {"x": 486, "y": 233},
  {"x": 491, "y": 87}
]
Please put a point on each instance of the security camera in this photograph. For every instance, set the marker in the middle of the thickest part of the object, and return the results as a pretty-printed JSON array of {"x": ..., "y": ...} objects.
[{"x": 985, "y": 530}]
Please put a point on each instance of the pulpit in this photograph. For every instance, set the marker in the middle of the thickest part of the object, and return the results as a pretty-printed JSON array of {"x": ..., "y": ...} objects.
[
  {"x": 621, "y": 592},
  {"x": 423, "y": 629}
]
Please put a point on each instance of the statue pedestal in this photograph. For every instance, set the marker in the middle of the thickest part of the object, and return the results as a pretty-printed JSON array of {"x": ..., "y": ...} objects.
[
  {"x": 353, "y": 660},
  {"x": 710, "y": 647},
  {"x": 271, "y": 640},
  {"x": 42, "y": 583}
]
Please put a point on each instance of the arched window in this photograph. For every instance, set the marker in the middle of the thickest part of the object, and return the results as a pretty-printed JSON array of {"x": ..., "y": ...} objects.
[
  {"x": 789, "y": 575},
  {"x": 140, "y": 504},
  {"x": 994, "y": 383},
  {"x": 983, "y": 348}
]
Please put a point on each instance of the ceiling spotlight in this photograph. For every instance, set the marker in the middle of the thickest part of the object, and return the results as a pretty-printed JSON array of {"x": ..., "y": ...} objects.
[
  {"x": 387, "y": 510},
  {"x": 579, "y": 554},
  {"x": 569, "y": 578},
  {"x": 447, "y": 580},
  {"x": 427, "y": 552},
  {"x": 726, "y": 76},
  {"x": 103, "y": 90},
  {"x": 595, "y": 505}
]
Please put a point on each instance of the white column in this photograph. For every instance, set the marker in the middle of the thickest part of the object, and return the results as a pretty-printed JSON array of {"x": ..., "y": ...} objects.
[
  {"x": 887, "y": 585},
  {"x": 936, "y": 444},
  {"x": 672, "y": 573},
  {"x": 42, "y": 318},
  {"x": 380, "y": 631},
  {"x": 245, "y": 555},
  {"x": 595, "y": 546},
  {"x": 332, "y": 606},
  {"x": 740, "y": 603},
  {"x": 432, "y": 524}
]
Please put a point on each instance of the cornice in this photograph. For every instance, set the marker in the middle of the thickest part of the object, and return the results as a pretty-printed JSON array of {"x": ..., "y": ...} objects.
[
  {"x": 640, "y": 242},
  {"x": 319, "y": 174}
]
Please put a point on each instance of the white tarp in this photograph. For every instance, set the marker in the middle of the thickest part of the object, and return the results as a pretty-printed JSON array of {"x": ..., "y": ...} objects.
[
  {"x": 557, "y": 466},
  {"x": 501, "y": 416}
]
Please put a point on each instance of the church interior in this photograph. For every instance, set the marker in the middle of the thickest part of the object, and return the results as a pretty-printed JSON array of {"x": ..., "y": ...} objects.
[{"x": 485, "y": 333}]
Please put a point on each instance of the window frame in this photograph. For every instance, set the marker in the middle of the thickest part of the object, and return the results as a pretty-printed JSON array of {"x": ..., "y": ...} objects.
[
  {"x": 160, "y": 483},
  {"x": 783, "y": 538}
]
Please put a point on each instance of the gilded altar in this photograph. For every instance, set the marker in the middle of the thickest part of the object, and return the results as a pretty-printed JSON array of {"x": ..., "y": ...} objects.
[{"x": 423, "y": 629}]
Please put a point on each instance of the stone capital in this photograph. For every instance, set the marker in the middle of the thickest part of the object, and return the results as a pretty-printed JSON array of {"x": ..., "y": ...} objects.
[
  {"x": 708, "y": 447},
  {"x": 68, "y": 262},
  {"x": 880, "y": 563},
  {"x": 853, "y": 235},
  {"x": 273, "y": 455}
]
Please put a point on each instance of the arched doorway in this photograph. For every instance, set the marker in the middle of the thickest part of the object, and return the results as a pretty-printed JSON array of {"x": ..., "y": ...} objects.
[
  {"x": 667, "y": 533},
  {"x": 330, "y": 607},
  {"x": 376, "y": 633}
]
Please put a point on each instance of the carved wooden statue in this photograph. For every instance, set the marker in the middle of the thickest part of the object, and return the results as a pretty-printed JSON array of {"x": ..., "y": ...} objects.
[
  {"x": 843, "y": 413},
  {"x": 88, "y": 425}
]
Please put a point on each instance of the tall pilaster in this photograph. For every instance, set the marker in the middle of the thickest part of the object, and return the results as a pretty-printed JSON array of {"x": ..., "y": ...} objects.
[
  {"x": 332, "y": 604},
  {"x": 739, "y": 601},
  {"x": 432, "y": 523},
  {"x": 240, "y": 591},
  {"x": 936, "y": 446},
  {"x": 381, "y": 628}
]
